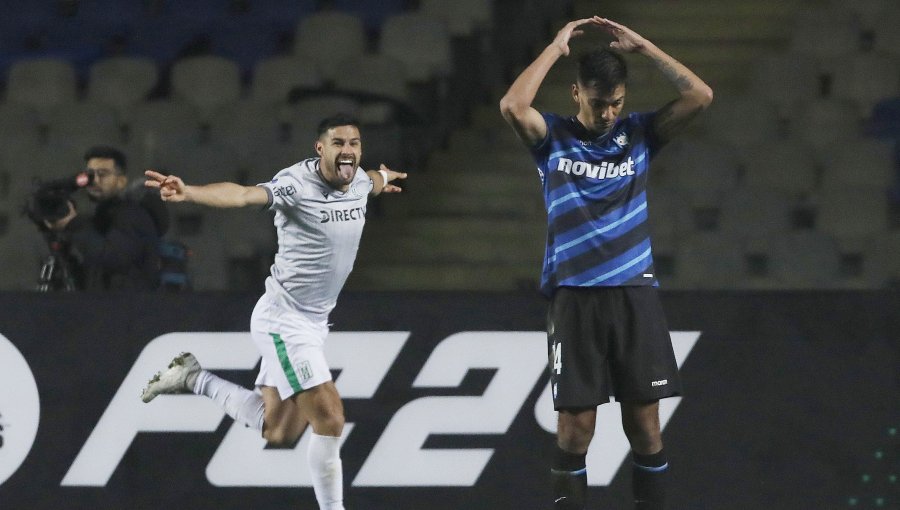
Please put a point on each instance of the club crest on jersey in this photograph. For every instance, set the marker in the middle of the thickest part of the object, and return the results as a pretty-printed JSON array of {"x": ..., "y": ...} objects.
[
  {"x": 621, "y": 140},
  {"x": 360, "y": 189}
]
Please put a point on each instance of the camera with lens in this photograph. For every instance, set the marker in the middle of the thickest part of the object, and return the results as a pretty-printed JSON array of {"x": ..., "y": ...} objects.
[
  {"x": 50, "y": 200},
  {"x": 48, "y": 203}
]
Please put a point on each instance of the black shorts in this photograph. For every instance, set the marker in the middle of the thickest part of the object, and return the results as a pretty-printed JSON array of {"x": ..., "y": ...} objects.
[{"x": 605, "y": 341}]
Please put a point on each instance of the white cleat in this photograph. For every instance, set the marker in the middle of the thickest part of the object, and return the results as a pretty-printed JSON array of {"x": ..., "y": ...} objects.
[{"x": 178, "y": 378}]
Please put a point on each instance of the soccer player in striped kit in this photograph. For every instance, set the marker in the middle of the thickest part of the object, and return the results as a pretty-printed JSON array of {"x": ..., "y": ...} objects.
[
  {"x": 607, "y": 334},
  {"x": 320, "y": 206}
]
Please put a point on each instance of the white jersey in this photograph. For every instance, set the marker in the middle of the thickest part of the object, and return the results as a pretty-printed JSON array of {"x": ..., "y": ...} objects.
[{"x": 319, "y": 229}]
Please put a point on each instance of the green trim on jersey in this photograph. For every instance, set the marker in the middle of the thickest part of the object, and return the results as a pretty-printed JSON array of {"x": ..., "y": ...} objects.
[{"x": 281, "y": 350}]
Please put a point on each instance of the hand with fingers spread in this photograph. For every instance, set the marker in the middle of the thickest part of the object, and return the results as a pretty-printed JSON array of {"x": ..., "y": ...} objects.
[
  {"x": 572, "y": 29},
  {"x": 171, "y": 188},
  {"x": 627, "y": 40},
  {"x": 388, "y": 176}
]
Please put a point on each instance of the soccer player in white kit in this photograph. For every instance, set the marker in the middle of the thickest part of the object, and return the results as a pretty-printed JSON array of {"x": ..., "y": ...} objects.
[{"x": 320, "y": 206}]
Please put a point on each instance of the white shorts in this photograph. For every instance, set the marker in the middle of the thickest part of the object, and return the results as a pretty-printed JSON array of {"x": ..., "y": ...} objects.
[{"x": 292, "y": 348}]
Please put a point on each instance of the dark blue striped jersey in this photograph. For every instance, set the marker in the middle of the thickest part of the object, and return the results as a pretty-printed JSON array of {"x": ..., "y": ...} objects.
[{"x": 595, "y": 191}]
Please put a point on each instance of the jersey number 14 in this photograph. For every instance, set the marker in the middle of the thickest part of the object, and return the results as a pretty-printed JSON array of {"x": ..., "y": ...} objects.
[{"x": 556, "y": 361}]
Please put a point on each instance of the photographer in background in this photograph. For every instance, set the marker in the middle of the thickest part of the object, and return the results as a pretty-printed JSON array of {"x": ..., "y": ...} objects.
[{"x": 118, "y": 247}]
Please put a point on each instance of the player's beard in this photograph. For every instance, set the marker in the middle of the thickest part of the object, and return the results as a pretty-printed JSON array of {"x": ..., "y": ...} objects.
[
  {"x": 602, "y": 127},
  {"x": 597, "y": 126}
]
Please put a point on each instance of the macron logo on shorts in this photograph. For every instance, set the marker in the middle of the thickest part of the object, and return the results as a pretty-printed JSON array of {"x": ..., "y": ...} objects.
[{"x": 661, "y": 382}]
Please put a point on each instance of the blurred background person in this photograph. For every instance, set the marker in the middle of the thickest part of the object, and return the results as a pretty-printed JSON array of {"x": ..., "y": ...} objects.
[{"x": 116, "y": 247}]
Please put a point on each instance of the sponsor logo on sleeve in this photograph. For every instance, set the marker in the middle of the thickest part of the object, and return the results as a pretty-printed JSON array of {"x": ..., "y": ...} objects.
[{"x": 284, "y": 191}]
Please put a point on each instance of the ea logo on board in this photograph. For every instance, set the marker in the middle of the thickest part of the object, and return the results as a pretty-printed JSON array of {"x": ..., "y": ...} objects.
[{"x": 20, "y": 409}]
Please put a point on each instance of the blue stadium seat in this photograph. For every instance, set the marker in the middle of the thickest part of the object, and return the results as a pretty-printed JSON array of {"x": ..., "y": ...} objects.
[
  {"x": 161, "y": 39},
  {"x": 884, "y": 121},
  {"x": 109, "y": 17},
  {"x": 281, "y": 15},
  {"x": 245, "y": 41},
  {"x": 202, "y": 12},
  {"x": 22, "y": 21}
]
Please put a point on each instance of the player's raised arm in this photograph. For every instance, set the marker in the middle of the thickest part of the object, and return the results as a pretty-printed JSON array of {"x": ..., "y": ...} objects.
[
  {"x": 221, "y": 194},
  {"x": 516, "y": 107},
  {"x": 382, "y": 179},
  {"x": 694, "y": 94}
]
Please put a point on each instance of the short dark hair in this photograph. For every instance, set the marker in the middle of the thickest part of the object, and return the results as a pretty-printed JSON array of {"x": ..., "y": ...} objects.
[
  {"x": 339, "y": 119},
  {"x": 107, "y": 152},
  {"x": 602, "y": 69}
]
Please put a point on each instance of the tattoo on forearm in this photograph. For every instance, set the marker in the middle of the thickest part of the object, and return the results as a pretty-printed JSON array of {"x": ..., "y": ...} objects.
[{"x": 682, "y": 82}]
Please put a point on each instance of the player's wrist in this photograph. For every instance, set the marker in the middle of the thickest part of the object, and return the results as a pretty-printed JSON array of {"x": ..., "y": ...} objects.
[
  {"x": 188, "y": 193},
  {"x": 556, "y": 49},
  {"x": 384, "y": 179},
  {"x": 648, "y": 49}
]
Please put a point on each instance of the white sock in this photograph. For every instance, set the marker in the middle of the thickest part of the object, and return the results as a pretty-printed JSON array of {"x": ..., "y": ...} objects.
[
  {"x": 325, "y": 467},
  {"x": 243, "y": 405}
]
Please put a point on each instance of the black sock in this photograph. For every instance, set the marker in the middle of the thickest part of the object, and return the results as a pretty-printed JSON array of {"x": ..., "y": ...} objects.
[
  {"x": 649, "y": 481},
  {"x": 569, "y": 477}
]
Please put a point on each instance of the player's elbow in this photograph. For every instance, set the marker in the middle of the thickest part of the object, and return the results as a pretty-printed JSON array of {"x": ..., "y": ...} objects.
[
  {"x": 705, "y": 96},
  {"x": 251, "y": 196},
  {"x": 511, "y": 108}
]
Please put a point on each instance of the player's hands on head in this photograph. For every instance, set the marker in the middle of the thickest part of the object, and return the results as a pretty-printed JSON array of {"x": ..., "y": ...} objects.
[
  {"x": 573, "y": 29},
  {"x": 171, "y": 188},
  {"x": 392, "y": 175},
  {"x": 627, "y": 40}
]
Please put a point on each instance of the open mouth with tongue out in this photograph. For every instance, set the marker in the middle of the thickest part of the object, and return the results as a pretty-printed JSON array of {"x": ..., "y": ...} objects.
[{"x": 346, "y": 167}]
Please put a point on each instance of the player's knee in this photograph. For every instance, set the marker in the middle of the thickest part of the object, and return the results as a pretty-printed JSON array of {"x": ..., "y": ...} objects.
[
  {"x": 574, "y": 438},
  {"x": 276, "y": 439},
  {"x": 644, "y": 440},
  {"x": 330, "y": 422},
  {"x": 326, "y": 413},
  {"x": 279, "y": 436},
  {"x": 574, "y": 443}
]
